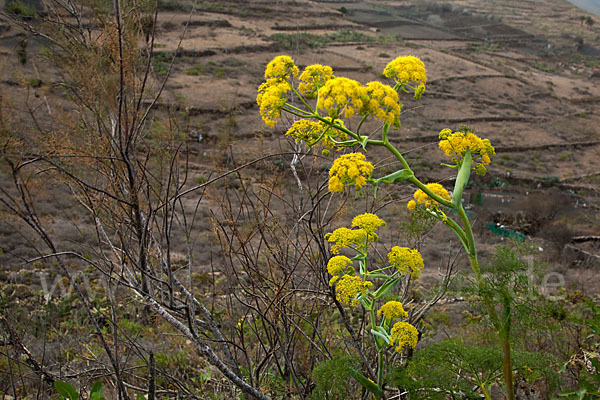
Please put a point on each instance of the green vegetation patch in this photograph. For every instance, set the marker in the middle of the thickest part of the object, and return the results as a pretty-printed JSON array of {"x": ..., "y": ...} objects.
[
  {"x": 290, "y": 41},
  {"x": 216, "y": 68},
  {"x": 20, "y": 8},
  {"x": 543, "y": 67},
  {"x": 173, "y": 5}
]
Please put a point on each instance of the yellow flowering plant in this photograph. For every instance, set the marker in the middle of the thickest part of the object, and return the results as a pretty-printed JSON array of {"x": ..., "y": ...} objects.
[
  {"x": 325, "y": 102},
  {"x": 366, "y": 287}
]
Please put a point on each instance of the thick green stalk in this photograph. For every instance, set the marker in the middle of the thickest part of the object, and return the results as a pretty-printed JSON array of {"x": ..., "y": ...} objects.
[
  {"x": 379, "y": 351},
  {"x": 413, "y": 179},
  {"x": 504, "y": 341},
  {"x": 380, "y": 355},
  {"x": 485, "y": 391},
  {"x": 472, "y": 249},
  {"x": 507, "y": 368}
]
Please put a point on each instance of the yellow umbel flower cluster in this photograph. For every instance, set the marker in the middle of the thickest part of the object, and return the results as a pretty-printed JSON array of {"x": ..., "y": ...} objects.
[
  {"x": 346, "y": 97},
  {"x": 383, "y": 103},
  {"x": 392, "y": 310},
  {"x": 349, "y": 287},
  {"x": 406, "y": 260},
  {"x": 305, "y": 130},
  {"x": 281, "y": 68},
  {"x": 271, "y": 94},
  {"x": 403, "y": 335},
  {"x": 406, "y": 69},
  {"x": 338, "y": 266},
  {"x": 423, "y": 198},
  {"x": 310, "y": 131},
  {"x": 342, "y": 96},
  {"x": 455, "y": 145},
  {"x": 313, "y": 78},
  {"x": 345, "y": 238},
  {"x": 367, "y": 221},
  {"x": 271, "y": 99},
  {"x": 349, "y": 169}
]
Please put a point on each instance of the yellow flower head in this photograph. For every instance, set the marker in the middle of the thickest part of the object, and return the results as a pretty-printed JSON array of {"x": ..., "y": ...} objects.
[
  {"x": 406, "y": 260},
  {"x": 367, "y": 221},
  {"x": 403, "y": 335},
  {"x": 383, "y": 103},
  {"x": 455, "y": 145},
  {"x": 406, "y": 69},
  {"x": 281, "y": 68},
  {"x": 339, "y": 265},
  {"x": 423, "y": 198},
  {"x": 349, "y": 287},
  {"x": 344, "y": 237},
  {"x": 349, "y": 169},
  {"x": 392, "y": 310},
  {"x": 271, "y": 99},
  {"x": 342, "y": 96},
  {"x": 305, "y": 130},
  {"x": 311, "y": 131},
  {"x": 313, "y": 78}
]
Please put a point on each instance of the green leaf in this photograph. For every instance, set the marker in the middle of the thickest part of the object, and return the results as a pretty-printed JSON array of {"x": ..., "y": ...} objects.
[
  {"x": 580, "y": 394},
  {"x": 381, "y": 332},
  {"x": 398, "y": 176},
  {"x": 387, "y": 285},
  {"x": 97, "y": 388},
  {"x": 366, "y": 382},
  {"x": 365, "y": 139},
  {"x": 378, "y": 275},
  {"x": 362, "y": 267},
  {"x": 140, "y": 397},
  {"x": 462, "y": 178},
  {"x": 66, "y": 390},
  {"x": 366, "y": 303}
]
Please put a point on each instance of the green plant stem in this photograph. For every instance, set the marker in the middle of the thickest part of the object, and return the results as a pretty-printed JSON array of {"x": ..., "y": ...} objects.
[
  {"x": 504, "y": 341},
  {"x": 336, "y": 126},
  {"x": 386, "y": 143},
  {"x": 382, "y": 269},
  {"x": 299, "y": 96},
  {"x": 485, "y": 391},
  {"x": 460, "y": 233},
  {"x": 379, "y": 352},
  {"x": 360, "y": 124},
  {"x": 296, "y": 111},
  {"x": 507, "y": 368},
  {"x": 320, "y": 137},
  {"x": 380, "y": 356},
  {"x": 429, "y": 193},
  {"x": 471, "y": 248}
]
